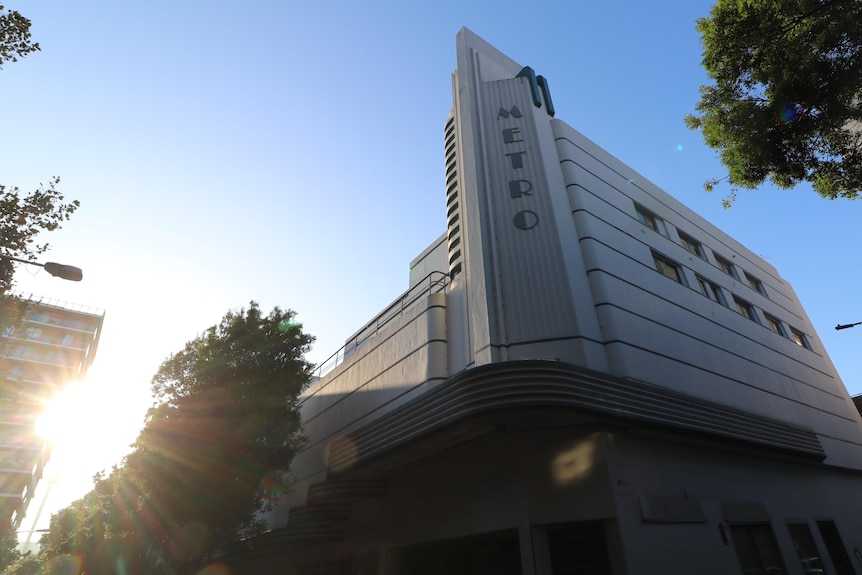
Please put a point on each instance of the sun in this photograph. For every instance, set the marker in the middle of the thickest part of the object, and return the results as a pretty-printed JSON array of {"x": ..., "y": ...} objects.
[
  {"x": 60, "y": 416},
  {"x": 89, "y": 424}
]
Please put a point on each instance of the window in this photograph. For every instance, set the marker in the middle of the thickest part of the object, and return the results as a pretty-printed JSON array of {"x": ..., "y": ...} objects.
[
  {"x": 809, "y": 555},
  {"x": 33, "y": 333},
  {"x": 835, "y": 547},
  {"x": 799, "y": 338},
  {"x": 745, "y": 308},
  {"x": 711, "y": 291},
  {"x": 649, "y": 219},
  {"x": 775, "y": 325},
  {"x": 756, "y": 548},
  {"x": 725, "y": 265},
  {"x": 755, "y": 283},
  {"x": 667, "y": 267},
  {"x": 691, "y": 244}
]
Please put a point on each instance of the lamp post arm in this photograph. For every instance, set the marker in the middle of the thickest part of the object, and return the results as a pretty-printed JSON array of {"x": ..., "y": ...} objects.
[{"x": 61, "y": 271}]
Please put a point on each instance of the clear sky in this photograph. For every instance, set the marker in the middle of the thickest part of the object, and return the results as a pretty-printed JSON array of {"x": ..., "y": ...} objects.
[{"x": 292, "y": 153}]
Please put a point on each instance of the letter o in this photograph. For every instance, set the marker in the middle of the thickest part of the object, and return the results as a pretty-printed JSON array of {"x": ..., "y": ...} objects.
[{"x": 526, "y": 220}]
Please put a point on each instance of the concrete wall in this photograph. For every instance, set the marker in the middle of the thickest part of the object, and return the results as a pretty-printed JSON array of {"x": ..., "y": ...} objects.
[
  {"x": 713, "y": 480},
  {"x": 434, "y": 258},
  {"x": 407, "y": 358}
]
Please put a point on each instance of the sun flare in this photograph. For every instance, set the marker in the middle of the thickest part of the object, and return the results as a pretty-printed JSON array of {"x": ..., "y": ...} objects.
[{"x": 89, "y": 424}]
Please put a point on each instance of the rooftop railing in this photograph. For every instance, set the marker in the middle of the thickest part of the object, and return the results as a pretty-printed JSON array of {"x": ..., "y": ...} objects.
[
  {"x": 61, "y": 304},
  {"x": 435, "y": 282}
]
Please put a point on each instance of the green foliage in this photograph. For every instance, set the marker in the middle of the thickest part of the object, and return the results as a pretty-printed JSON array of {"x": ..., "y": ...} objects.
[
  {"x": 226, "y": 419},
  {"x": 213, "y": 453},
  {"x": 14, "y": 36},
  {"x": 22, "y": 219},
  {"x": 8, "y": 550},
  {"x": 28, "y": 564},
  {"x": 786, "y": 103},
  {"x": 104, "y": 532}
]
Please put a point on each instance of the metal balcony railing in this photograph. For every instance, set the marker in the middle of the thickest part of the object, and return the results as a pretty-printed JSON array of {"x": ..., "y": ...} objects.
[
  {"x": 435, "y": 282},
  {"x": 61, "y": 304}
]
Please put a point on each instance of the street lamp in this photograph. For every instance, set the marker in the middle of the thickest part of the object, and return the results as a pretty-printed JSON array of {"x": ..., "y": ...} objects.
[
  {"x": 61, "y": 271},
  {"x": 847, "y": 325}
]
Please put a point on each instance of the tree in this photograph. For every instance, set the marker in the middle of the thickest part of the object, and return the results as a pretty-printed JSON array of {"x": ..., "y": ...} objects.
[
  {"x": 226, "y": 421},
  {"x": 786, "y": 103},
  {"x": 103, "y": 532},
  {"x": 14, "y": 36},
  {"x": 27, "y": 564},
  {"x": 213, "y": 452},
  {"x": 22, "y": 218},
  {"x": 8, "y": 550}
]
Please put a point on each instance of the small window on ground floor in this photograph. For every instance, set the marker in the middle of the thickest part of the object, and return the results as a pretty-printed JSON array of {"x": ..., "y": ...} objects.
[
  {"x": 489, "y": 554},
  {"x": 756, "y": 548},
  {"x": 809, "y": 555},
  {"x": 578, "y": 547},
  {"x": 835, "y": 547}
]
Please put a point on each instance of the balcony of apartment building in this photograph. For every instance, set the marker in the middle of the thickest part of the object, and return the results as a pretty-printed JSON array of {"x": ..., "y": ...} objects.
[
  {"x": 44, "y": 357},
  {"x": 23, "y": 455}
]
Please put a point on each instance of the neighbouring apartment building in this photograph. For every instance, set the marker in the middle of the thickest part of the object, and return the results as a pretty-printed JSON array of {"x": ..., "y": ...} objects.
[
  {"x": 53, "y": 345},
  {"x": 584, "y": 376}
]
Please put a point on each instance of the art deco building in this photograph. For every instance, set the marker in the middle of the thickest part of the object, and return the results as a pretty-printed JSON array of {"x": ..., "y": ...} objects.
[
  {"x": 53, "y": 346},
  {"x": 584, "y": 376}
]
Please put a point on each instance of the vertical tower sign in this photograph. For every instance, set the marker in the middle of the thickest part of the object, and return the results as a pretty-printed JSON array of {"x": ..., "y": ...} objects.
[{"x": 532, "y": 298}]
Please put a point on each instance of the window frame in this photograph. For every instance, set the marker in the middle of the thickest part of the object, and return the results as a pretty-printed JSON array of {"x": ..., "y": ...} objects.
[
  {"x": 759, "y": 538},
  {"x": 799, "y": 338},
  {"x": 745, "y": 309},
  {"x": 774, "y": 324},
  {"x": 649, "y": 219},
  {"x": 707, "y": 288},
  {"x": 809, "y": 553},
  {"x": 661, "y": 261},
  {"x": 835, "y": 548},
  {"x": 691, "y": 245},
  {"x": 754, "y": 283},
  {"x": 721, "y": 262}
]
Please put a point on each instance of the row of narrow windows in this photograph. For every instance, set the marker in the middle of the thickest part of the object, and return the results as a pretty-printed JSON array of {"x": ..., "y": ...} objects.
[
  {"x": 694, "y": 247},
  {"x": 674, "y": 271},
  {"x": 669, "y": 268}
]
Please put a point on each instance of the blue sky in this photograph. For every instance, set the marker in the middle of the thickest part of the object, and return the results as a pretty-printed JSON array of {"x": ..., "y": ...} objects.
[{"x": 291, "y": 153}]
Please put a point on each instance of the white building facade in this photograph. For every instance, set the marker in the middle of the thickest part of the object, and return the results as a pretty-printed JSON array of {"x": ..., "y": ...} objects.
[{"x": 584, "y": 377}]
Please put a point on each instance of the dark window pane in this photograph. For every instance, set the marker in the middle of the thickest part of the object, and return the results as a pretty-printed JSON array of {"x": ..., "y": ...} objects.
[
  {"x": 578, "y": 549},
  {"x": 835, "y": 547}
]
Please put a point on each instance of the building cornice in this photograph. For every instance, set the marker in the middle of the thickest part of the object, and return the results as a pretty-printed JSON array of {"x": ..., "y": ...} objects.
[{"x": 537, "y": 384}]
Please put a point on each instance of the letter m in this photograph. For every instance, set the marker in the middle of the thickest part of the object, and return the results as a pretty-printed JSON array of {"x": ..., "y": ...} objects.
[{"x": 513, "y": 111}]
